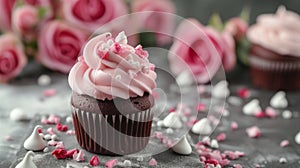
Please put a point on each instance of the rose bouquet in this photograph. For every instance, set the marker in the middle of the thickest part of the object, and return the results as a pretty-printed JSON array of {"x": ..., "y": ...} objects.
[{"x": 52, "y": 32}]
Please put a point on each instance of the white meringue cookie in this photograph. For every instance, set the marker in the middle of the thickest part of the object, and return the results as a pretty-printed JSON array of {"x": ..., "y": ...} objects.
[
  {"x": 27, "y": 161},
  {"x": 202, "y": 127},
  {"x": 220, "y": 90},
  {"x": 172, "y": 121},
  {"x": 183, "y": 147},
  {"x": 35, "y": 142},
  {"x": 279, "y": 100}
]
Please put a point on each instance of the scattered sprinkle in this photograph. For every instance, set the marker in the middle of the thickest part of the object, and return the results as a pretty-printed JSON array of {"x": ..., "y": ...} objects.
[
  {"x": 127, "y": 163},
  {"x": 297, "y": 138},
  {"x": 287, "y": 114},
  {"x": 243, "y": 93},
  {"x": 237, "y": 166},
  {"x": 234, "y": 126},
  {"x": 49, "y": 92},
  {"x": 60, "y": 145},
  {"x": 78, "y": 156},
  {"x": 169, "y": 131},
  {"x": 69, "y": 120},
  {"x": 59, "y": 153},
  {"x": 51, "y": 131},
  {"x": 70, "y": 132},
  {"x": 214, "y": 143},
  {"x": 46, "y": 150},
  {"x": 111, "y": 163},
  {"x": 221, "y": 137},
  {"x": 220, "y": 90},
  {"x": 183, "y": 147},
  {"x": 152, "y": 162},
  {"x": 253, "y": 132},
  {"x": 252, "y": 107},
  {"x": 8, "y": 138},
  {"x": 202, "y": 127},
  {"x": 52, "y": 143},
  {"x": 282, "y": 160},
  {"x": 172, "y": 120},
  {"x": 279, "y": 100},
  {"x": 236, "y": 101},
  {"x": 94, "y": 161},
  {"x": 270, "y": 112},
  {"x": 200, "y": 107},
  {"x": 284, "y": 143},
  {"x": 71, "y": 152},
  {"x": 47, "y": 137},
  {"x": 44, "y": 80},
  {"x": 61, "y": 127},
  {"x": 260, "y": 114},
  {"x": 54, "y": 137}
]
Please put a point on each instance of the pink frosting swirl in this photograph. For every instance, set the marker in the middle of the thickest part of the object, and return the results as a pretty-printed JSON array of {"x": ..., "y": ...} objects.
[
  {"x": 279, "y": 32},
  {"x": 111, "y": 68}
]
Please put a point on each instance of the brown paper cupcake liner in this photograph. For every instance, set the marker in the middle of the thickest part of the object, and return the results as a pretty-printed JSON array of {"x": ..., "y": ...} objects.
[
  {"x": 275, "y": 75},
  {"x": 112, "y": 134}
]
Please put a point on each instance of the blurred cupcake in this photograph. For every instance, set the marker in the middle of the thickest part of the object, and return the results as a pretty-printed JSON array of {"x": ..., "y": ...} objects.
[
  {"x": 275, "y": 51},
  {"x": 111, "y": 101}
]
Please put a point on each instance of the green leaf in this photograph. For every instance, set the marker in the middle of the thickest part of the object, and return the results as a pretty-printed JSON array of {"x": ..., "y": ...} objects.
[
  {"x": 242, "y": 51},
  {"x": 215, "y": 21},
  {"x": 245, "y": 14},
  {"x": 147, "y": 39},
  {"x": 42, "y": 12}
]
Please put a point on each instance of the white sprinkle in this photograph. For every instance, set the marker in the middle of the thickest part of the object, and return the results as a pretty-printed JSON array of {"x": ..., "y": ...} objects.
[
  {"x": 202, "y": 127},
  {"x": 287, "y": 114},
  {"x": 69, "y": 120},
  {"x": 169, "y": 131},
  {"x": 282, "y": 160},
  {"x": 252, "y": 107},
  {"x": 18, "y": 114},
  {"x": 54, "y": 137},
  {"x": 118, "y": 77},
  {"x": 44, "y": 80},
  {"x": 297, "y": 138},
  {"x": 47, "y": 137},
  {"x": 220, "y": 90},
  {"x": 184, "y": 79},
  {"x": 121, "y": 38},
  {"x": 127, "y": 163},
  {"x": 236, "y": 101},
  {"x": 214, "y": 144},
  {"x": 46, "y": 150},
  {"x": 279, "y": 100},
  {"x": 110, "y": 42}
]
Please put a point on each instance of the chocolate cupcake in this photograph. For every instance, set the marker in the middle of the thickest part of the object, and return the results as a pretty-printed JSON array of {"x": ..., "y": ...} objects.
[
  {"x": 111, "y": 101},
  {"x": 275, "y": 52}
]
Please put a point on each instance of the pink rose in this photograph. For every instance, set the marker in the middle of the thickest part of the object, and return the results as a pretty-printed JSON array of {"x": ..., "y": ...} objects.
[
  {"x": 59, "y": 45},
  {"x": 202, "y": 49},
  {"x": 160, "y": 21},
  {"x": 5, "y": 14},
  {"x": 228, "y": 54},
  {"x": 91, "y": 15},
  {"x": 25, "y": 20},
  {"x": 12, "y": 57},
  {"x": 237, "y": 27}
]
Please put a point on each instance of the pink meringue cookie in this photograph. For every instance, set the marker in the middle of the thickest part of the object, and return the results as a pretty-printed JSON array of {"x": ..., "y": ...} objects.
[
  {"x": 111, "y": 68},
  {"x": 277, "y": 32}
]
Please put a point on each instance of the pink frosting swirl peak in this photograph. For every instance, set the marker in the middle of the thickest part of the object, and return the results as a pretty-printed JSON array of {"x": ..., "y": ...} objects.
[{"x": 111, "y": 68}]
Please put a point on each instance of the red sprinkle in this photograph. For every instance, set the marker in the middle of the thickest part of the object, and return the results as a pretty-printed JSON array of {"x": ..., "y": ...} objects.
[
  {"x": 200, "y": 107},
  {"x": 94, "y": 161},
  {"x": 172, "y": 109},
  {"x": 221, "y": 137},
  {"x": 59, "y": 153},
  {"x": 49, "y": 92},
  {"x": 71, "y": 152},
  {"x": 62, "y": 128},
  {"x": 260, "y": 114},
  {"x": 116, "y": 48},
  {"x": 111, "y": 163},
  {"x": 243, "y": 93},
  {"x": 152, "y": 162},
  {"x": 234, "y": 126},
  {"x": 284, "y": 143},
  {"x": 40, "y": 130},
  {"x": 140, "y": 52}
]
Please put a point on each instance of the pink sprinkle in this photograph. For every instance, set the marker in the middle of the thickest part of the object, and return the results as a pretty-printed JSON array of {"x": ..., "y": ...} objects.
[
  {"x": 8, "y": 138},
  {"x": 140, "y": 52},
  {"x": 221, "y": 137},
  {"x": 152, "y": 162},
  {"x": 172, "y": 109},
  {"x": 234, "y": 126},
  {"x": 152, "y": 67},
  {"x": 164, "y": 140},
  {"x": 158, "y": 134},
  {"x": 78, "y": 156},
  {"x": 116, "y": 48},
  {"x": 155, "y": 95},
  {"x": 60, "y": 145},
  {"x": 170, "y": 143},
  {"x": 53, "y": 119},
  {"x": 284, "y": 143},
  {"x": 51, "y": 131},
  {"x": 102, "y": 54},
  {"x": 234, "y": 155},
  {"x": 200, "y": 107},
  {"x": 237, "y": 166},
  {"x": 253, "y": 132},
  {"x": 243, "y": 93},
  {"x": 80, "y": 59},
  {"x": 59, "y": 153},
  {"x": 62, "y": 128},
  {"x": 40, "y": 130},
  {"x": 71, "y": 152},
  {"x": 260, "y": 114},
  {"x": 111, "y": 163},
  {"x": 94, "y": 161},
  {"x": 52, "y": 143},
  {"x": 70, "y": 132},
  {"x": 270, "y": 112},
  {"x": 49, "y": 92}
]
